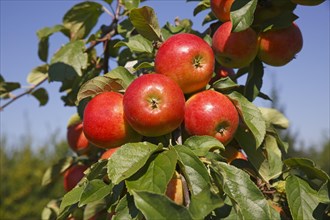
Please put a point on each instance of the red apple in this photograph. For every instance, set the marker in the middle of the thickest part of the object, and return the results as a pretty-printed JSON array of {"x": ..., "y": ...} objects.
[
  {"x": 234, "y": 49},
  {"x": 107, "y": 154},
  {"x": 76, "y": 137},
  {"x": 187, "y": 59},
  {"x": 73, "y": 175},
  {"x": 278, "y": 47},
  {"x": 211, "y": 113},
  {"x": 154, "y": 105},
  {"x": 104, "y": 121},
  {"x": 221, "y": 9},
  {"x": 308, "y": 2}
]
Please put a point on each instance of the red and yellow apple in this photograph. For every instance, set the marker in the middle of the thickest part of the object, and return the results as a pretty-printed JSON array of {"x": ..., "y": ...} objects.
[
  {"x": 104, "y": 121},
  {"x": 221, "y": 9},
  {"x": 232, "y": 153},
  {"x": 234, "y": 49},
  {"x": 73, "y": 175},
  {"x": 187, "y": 59},
  {"x": 76, "y": 137},
  {"x": 211, "y": 113},
  {"x": 277, "y": 47},
  {"x": 154, "y": 105},
  {"x": 108, "y": 153}
]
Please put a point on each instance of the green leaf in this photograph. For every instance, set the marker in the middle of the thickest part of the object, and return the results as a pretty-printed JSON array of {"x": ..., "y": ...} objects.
[
  {"x": 122, "y": 76},
  {"x": 94, "y": 190},
  {"x": 201, "y": 145},
  {"x": 81, "y": 19},
  {"x": 194, "y": 170},
  {"x": 157, "y": 206},
  {"x": 225, "y": 84},
  {"x": 126, "y": 208},
  {"x": 242, "y": 14},
  {"x": 137, "y": 44},
  {"x": 38, "y": 74},
  {"x": 41, "y": 95},
  {"x": 7, "y": 87},
  {"x": 144, "y": 65},
  {"x": 274, "y": 157},
  {"x": 302, "y": 199},
  {"x": 51, "y": 210},
  {"x": 98, "y": 170},
  {"x": 68, "y": 62},
  {"x": 128, "y": 159},
  {"x": 131, "y": 4},
  {"x": 239, "y": 187},
  {"x": 145, "y": 22},
  {"x": 274, "y": 117},
  {"x": 56, "y": 170},
  {"x": 155, "y": 175},
  {"x": 209, "y": 17},
  {"x": 283, "y": 20},
  {"x": 125, "y": 28},
  {"x": 202, "y": 5},
  {"x": 95, "y": 208},
  {"x": 70, "y": 198},
  {"x": 254, "y": 80},
  {"x": 251, "y": 116}
]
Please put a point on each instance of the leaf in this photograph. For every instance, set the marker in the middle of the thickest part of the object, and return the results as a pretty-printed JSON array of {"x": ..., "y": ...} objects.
[
  {"x": 98, "y": 170},
  {"x": 128, "y": 159},
  {"x": 155, "y": 175},
  {"x": 81, "y": 19},
  {"x": 70, "y": 198},
  {"x": 201, "y": 145},
  {"x": 254, "y": 80},
  {"x": 225, "y": 84},
  {"x": 126, "y": 208},
  {"x": 137, "y": 44},
  {"x": 38, "y": 74},
  {"x": 209, "y": 17},
  {"x": 274, "y": 117},
  {"x": 202, "y": 5},
  {"x": 239, "y": 187},
  {"x": 7, "y": 87},
  {"x": 274, "y": 157},
  {"x": 302, "y": 199},
  {"x": 95, "y": 208},
  {"x": 56, "y": 170},
  {"x": 122, "y": 76},
  {"x": 242, "y": 14},
  {"x": 157, "y": 206},
  {"x": 145, "y": 22},
  {"x": 41, "y": 95},
  {"x": 194, "y": 170},
  {"x": 283, "y": 20},
  {"x": 51, "y": 210},
  {"x": 252, "y": 118},
  {"x": 68, "y": 62},
  {"x": 144, "y": 65},
  {"x": 131, "y": 4},
  {"x": 94, "y": 190}
]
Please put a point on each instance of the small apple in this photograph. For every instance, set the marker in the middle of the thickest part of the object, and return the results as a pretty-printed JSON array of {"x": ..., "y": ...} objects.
[
  {"x": 104, "y": 121},
  {"x": 222, "y": 72},
  {"x": 278, "y": 47},
  {"x": 234, "y": 49},
  {"x": 73, "y": 175},
  {"x": 76, "y": 137},
  {"x": 221, "y": 9},
  {"x": 174, "y": 189},
  {"x": 187, "y": 59},
  {"x": 211, "y": 113},
  {"x": 154, "y": 105},
  {"x": 107, "y": 154},
  {"x": 308, "y": 2}
]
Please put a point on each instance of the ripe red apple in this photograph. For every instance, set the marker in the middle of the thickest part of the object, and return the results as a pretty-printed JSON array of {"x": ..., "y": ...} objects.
[
  {"x": 73, "y": 175},
  {"x": 234, "y": 49},
  {"x": 211, "y": 113},
  {"x": 154, "y": 105},
  {"x": 308, "y": 2},
  {"x": 107, "y": 154},
  {"x": 76, "y": 137},
  {"x": 279, "y": 46},
  {"x": 187, "y": 59},
  {"x": 104, "y": 121},
  {"x": 221, "y": 9}
]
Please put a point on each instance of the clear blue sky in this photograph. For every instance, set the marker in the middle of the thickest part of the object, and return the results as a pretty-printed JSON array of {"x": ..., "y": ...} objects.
[{"x": 303, "y": 84}]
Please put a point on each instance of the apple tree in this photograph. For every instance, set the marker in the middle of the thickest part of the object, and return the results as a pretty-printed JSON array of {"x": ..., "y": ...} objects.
[{"x": 164, "y": 130}]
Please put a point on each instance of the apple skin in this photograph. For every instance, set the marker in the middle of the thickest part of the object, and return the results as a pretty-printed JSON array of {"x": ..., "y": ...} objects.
[
  {"x": 154, "y": 105},
  {"x": 77, "y": 139},
  {"x": 211, "y": 113},
  {"x": 187, "y": 59},
  {"x": 107, "y": 154},
  {"x": 221, "y": 9},
  {"x": 232, "y": 153},
  {"x": 308, "y": 2},
  {"x": 234, "y": 49},
  {"x": 104, "y": 121},
  {"x": 174, "y": 189},
  {"x": 73, "y": 175},
  {"x": 278, "y": 47}
]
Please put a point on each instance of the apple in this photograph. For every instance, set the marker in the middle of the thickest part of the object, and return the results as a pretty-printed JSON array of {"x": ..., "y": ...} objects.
[
  {"x": 73, "y": 175},
  {"x": 211, "y": 113},
  {"x": 308, "y": 2},
  {"x": 107, "y": 154},
  {"x": 234, "y": 49},
  {"x": 174, "y": 189},
  {"x": 232, "y": 153},
  {"x": 76, "y": 137},
  {"x": 222, "y": 72},
  {"x": 187, "y": 59},
  {"x": 104, "y": 121},
  {"x": 154, "y": 105},
  {"x": 278, "y": 47},
  {"x": 221, "y": 9}
]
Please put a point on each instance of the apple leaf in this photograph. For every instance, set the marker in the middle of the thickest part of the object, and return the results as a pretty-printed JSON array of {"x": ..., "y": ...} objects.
[
  {"x": 242, "y": 14},
  {"x": 68, "y": 62},
  {"x": 274, "y": 117},
  {"x": 70, "y": 198},
  {"x": 56, "y": 170},
  {"x": 145, "y": 22},
  {"x": 38, "y": 74},
  {"x": 131, "y": 4},
  {"x": 158, "y": 206},
  {"x": 128, "y": 159},
  {"x": 81, "y": 19},
  {"x": 41, "y": 95},
  {"x": 155, "y": 175},
  {"x": 93, "y": 191},
  {"x": 225, "y": 84},
  {"x": 202, "y": 5},
  {"x": 194, "y": 171},
  {"x": 208, "y": 18},
  {"x": 93, "y": 208},
  {"x": 239, "y": 187},
  {"x": 201, "y": 145},
  {"x": 254, "y": 80},
  {"x": 274, "y": 156},
  {"x": 121, "y": 75},
  {"x": 252, "y": 117},
  {"x": 7, "y": 87},
  {"x": 302, "y": 199},
  {"x": 97, "y": 170},
  {"x": 137, "y": 44},
  {"x": 126, "y": 208}
]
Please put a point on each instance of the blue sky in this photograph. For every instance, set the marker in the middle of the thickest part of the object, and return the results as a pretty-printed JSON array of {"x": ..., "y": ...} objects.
[{"x": 303, "y": 83}]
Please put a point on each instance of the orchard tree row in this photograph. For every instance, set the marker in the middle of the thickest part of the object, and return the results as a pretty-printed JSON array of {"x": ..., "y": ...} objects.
[{"x": 169, "y": 133}]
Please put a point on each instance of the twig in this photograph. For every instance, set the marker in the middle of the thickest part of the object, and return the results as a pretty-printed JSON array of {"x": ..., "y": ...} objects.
[{"x": 108, "y": 12}]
